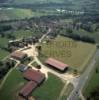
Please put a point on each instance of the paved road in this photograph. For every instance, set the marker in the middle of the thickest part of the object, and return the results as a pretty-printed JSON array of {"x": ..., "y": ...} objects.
[{"x": 83, "y": 79}]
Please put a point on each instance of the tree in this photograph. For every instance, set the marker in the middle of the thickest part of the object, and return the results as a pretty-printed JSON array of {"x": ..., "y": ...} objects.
[
  {"x": 1, "y": 63},
  {"x": 75, "y": 72}
]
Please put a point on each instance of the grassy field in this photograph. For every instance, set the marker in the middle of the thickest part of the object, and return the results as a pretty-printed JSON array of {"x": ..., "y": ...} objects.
[
  {"x": 12, "y": 86},
  {"x": 3, "y": 54},
  {"x": 93, "y": 82},
  {"x": 74, "y": 53},
  {"x": 50, "y": 89},
  {"x": 14, "y": 13},
  {"x": 35, "y": 1}
]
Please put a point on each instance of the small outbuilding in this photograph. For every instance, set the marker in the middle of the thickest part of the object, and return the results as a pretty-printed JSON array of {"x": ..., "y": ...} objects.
[{"x": 22, "y": 67}]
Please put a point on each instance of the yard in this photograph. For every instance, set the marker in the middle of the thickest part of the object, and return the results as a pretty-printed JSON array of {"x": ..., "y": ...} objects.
[
  {"x": 12, "y": 86},
  {"x": 93, "y": 82},
  {"x": 76, "y": 54},
  {"x": 50, "y": 89}
]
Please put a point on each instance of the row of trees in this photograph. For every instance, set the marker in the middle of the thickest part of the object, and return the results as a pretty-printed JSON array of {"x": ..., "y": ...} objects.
[{"x": 79, "y": 37}]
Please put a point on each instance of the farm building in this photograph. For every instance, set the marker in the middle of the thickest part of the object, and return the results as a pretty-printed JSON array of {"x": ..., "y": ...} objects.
[
  {"x": 56, "y": 64},
  {"x": 33, "y": 75},
  {"x": 22, "y": 67},
  {"x": 27, "y": 89},
  {"x": 19, "y": 55}
]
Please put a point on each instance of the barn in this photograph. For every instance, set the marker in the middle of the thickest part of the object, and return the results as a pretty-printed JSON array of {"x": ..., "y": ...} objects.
[
  {"x": 33, "y": 75},
  {"x": 28, "y": 89},
  {"x": 56, "y": 64}
]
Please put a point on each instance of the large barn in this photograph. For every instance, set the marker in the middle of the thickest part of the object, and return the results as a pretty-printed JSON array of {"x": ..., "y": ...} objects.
[
  {"x": 56, "y": 64},
  {"x": 27, "y": 89},
  {"x": 33, "y": 75}
]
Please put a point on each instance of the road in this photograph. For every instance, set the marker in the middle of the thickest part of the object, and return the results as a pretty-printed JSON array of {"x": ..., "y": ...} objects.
[
  {"x": 49, "y": 30},
  {"x": 83, "y": 79}
]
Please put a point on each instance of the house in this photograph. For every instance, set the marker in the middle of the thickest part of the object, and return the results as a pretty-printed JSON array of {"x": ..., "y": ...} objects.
[
  {"x": 56, "y": 64},
  {"x": 19, "y": 55}
]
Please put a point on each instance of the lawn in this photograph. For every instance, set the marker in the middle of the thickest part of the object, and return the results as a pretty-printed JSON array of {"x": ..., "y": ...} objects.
[
  {"x": 93, "y": 82},
  {"x": 74, "y": 53},
  {"x": 15, "y": 13},
  {"x": 3, "y": 41},
  {"x": 12, "y": 86},
  {"x": 50, "y": 89}
]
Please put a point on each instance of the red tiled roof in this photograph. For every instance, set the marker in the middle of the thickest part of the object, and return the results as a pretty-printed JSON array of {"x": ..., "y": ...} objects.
[
  {"x": 28, "y": 88},
  {"x": 57, "y": 64},
  {"x": 18, "y": 55},
  {"x": 34, "y": 75}
]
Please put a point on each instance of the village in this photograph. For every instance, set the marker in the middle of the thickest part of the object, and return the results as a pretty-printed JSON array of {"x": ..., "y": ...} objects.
[{"x": 49, "y": 51}]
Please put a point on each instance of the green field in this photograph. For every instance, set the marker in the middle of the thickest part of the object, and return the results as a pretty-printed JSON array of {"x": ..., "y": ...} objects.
[
  {"x": 93, "y": 82},
  {"x": 74, "y": 53},
  {"x": 35, "y": 1},
  {"x": 71, "y": 4},
  {"x": 3, "y": 54},
  {"x": 50, "y": 89},
  {"x": 17, "y": 13},
  {"x": 12, "y": 86},
  {"x": 14, "y": 13}
]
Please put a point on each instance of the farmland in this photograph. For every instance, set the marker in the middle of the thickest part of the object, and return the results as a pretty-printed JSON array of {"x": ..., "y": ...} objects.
[
  {"x": 14, "y": 13},
  {"x": 18, "y": 13},
  {"x": 35, "y": 1},
  {"x": 13, "y": 84},
  {"x": 76, "y": 54}
]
